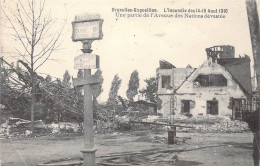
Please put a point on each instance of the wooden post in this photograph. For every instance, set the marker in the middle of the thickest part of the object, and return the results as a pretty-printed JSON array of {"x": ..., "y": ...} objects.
[
  {"x": 1, "y": 85},
  {"x": 87, "y": 28},
  {"x": 88, "y": 151},
  {"x": 253, "y": 21}
]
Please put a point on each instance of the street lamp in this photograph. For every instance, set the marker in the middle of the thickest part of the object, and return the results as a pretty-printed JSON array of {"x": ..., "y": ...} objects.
[
  {"x": 172, "y": 130},
  {"x": 169, "y": 90}
]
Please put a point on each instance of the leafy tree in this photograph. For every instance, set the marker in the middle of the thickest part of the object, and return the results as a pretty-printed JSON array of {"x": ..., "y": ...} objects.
[
  {"x": 149, "y": 92},
  {"x": 79, "y": 89},
  {"x": 32, "y": 29},
  {"x": 48, "y": 78},
  {"x": 97, "y": 89},
  {"x": 133, "y": 85},
  {"x": 113, "y": 92},
  {"x": 80, "y": 74},
  {"x": 66, "y": 79}
]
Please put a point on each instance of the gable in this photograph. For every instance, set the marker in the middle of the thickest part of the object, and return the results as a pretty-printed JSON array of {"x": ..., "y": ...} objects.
[{"x": 209, "y": 68}]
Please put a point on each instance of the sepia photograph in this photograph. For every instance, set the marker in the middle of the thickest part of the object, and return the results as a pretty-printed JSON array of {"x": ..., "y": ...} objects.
[{"x": 129, "y": 82}]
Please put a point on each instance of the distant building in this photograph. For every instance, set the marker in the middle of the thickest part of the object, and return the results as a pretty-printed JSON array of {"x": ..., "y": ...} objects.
[{"x": 220, "y": 86}]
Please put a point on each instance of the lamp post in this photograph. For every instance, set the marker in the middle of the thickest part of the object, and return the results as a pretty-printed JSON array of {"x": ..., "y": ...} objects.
[
  {"x": 172, "y": 130},
  {"x": 169, "y": 90}
]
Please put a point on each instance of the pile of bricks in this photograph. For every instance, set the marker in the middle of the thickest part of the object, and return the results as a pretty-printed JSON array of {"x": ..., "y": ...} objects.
[{"x": 218, "y": 124}]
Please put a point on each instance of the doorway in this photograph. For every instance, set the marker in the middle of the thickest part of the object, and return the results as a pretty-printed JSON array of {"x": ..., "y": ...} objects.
[{"x": 185, "y": 106}]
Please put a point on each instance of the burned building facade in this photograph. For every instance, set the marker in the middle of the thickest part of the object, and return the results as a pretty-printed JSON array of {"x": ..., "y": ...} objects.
[{"x": 220, "y": 86}]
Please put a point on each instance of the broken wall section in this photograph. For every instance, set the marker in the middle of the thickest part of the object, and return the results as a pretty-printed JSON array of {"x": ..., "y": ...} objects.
[{"x": 204, "y": 97}]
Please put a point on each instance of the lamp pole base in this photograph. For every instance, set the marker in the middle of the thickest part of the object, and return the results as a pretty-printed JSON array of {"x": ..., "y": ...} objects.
[
  {"x": 172, "y": 135},
  {"x": 89, "y": 158}
]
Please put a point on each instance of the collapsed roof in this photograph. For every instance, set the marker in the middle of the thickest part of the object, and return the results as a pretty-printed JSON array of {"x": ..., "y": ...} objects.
[{"x": 166, "y": 65}]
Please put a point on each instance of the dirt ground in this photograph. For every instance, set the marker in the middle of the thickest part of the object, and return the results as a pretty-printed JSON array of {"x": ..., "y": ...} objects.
[{"x": 202, "y": 149}]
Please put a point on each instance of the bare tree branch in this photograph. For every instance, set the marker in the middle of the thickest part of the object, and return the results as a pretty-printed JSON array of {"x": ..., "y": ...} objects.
[
  {"x": 16, "y": 31},
  {"x": 26, "y": 12},
  {"x": 25, "y": 29},
  {"x": 52, "y": 47},
  {"x": 23, "y": 55},
  {"x": 45, "y": 24}
]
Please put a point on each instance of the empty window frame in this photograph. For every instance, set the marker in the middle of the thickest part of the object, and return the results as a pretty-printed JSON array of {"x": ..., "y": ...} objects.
[
  {"x": 166, "y": 81},
  {"x": 210, "y": 80},
  {"x": 212, "y": 107}
]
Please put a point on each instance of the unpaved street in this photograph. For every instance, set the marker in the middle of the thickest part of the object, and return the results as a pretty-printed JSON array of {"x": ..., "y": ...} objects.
[
  {"x": 202, "y": 149},
  {"x": 238, "y": 154}
]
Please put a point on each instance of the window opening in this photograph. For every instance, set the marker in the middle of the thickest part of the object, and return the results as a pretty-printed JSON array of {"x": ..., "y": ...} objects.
[
  {"x": 166, "y": 80},
  {"x": 212, "y": 107},
  {"x": 210, "y": 80}
]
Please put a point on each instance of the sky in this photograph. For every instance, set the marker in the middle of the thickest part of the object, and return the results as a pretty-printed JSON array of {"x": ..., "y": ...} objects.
[{"x": 139, "y": 43}]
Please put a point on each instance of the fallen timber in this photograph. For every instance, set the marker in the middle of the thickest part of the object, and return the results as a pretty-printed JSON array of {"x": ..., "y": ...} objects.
[
  {"x": 163, "y": 124},
  {"x": 104, "y": 160}
]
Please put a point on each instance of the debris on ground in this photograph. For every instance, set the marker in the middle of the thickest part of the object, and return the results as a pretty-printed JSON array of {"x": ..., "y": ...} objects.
[
  {"x": 141, "y": 158},
  {"x": 68, "y": 127},
  {"x": 109, "y": 121},
  {"x": 15, "y": 127},
  {"x": 211, "y": 123},
  {"x": 151, "y": 118},
  {"x": 147, "y": 158},
  {"x": 187, "y": 123}
]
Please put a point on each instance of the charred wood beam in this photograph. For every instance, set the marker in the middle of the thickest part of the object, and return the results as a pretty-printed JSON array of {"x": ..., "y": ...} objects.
[
  {"x": 162, "y": 124},
  {"x": 21, "y": 76}
]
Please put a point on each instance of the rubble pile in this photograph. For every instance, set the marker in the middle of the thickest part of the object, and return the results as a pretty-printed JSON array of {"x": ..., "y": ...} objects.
[
  {"x": 154, "y": 118},
  {"x": 200, "y": 119},
  {"x": 212, "y": 123},
  {"x": 164, "y": 140},
  {"x": 108, "y": 120},
  {"x": 105, "y": 119},
  {"x": 143, "y": 158},
  {"x": 224, "y": 126},
  {"x": 65, "y": 127},
  {"x": 104, "y": 126},
  {"x": 16, "y": 127},
  {"x": 20, "y": 127}
]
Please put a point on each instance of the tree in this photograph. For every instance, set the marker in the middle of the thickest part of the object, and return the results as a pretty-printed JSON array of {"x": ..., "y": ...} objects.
[
  {"x": 133, "y": 86},
  {"x": 66, "y": 79},
  {"x": 80, "y": 74},
  {"x": 149, "y": 92},
  {"x": 113, "y": 92},
  {"x": 32, "y": 28},
  {"x": 48, "y": 78},
  {"x": 97, "y": 89},
  {"x": 56, "y": 101}
]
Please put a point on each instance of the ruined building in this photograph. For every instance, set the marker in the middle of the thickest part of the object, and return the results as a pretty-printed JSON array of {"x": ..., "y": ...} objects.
[{"x": 220, "y": 86}]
